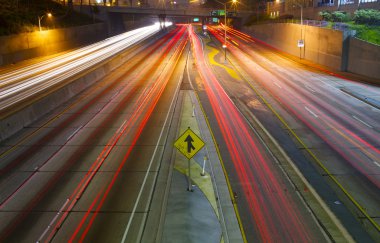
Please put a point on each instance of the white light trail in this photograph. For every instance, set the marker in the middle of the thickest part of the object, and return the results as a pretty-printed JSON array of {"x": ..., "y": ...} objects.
[{"x": 21, "y": 84}]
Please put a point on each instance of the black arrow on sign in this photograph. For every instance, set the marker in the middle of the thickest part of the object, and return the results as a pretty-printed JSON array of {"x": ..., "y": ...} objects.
[{"x": 189, "y": 141}]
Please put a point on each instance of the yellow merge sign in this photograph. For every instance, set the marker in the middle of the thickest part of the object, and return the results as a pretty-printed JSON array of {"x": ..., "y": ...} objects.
[{"x": 189, "y": 143}]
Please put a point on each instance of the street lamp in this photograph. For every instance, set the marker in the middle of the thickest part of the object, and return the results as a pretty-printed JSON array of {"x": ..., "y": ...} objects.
[
  {"x": 41, "y": 17},
  {"x": 225, "y": 27},
  {"x": 300, "y": 5}
]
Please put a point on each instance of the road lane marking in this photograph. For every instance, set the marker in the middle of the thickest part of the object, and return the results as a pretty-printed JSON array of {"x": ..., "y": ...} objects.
[
  {"x": 328, "y": 84},
  {"x": 75, "y": 132},
  {"x": 356, "y": 118},
  {"x": 376, "y": 163},
  {"x": 309, "y": 88},
  {"x": 121, "y": 127},
  {"x": 114, "y": 95},
  {"x": 319, "y": 162},
  {"x": 275, "y": 83},
  {"x": 221, "y": 213},
  {"x": 142, "y": 187},
  {"x": 311, "y": 112},
  {"x": 226, "y": 176},
  {"x": 53, "y": 220}
]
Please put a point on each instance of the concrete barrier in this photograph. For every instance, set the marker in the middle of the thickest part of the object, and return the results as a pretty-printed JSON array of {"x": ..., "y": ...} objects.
[
  {"x": 331, "y": 48},
  {"x": 364, "y": 58},
  {"x": 322, "y": 46},
  {"x": 15, "y": 122},
  {"x": 15, "y": 48},
  {"x": 24, "y": 117}
]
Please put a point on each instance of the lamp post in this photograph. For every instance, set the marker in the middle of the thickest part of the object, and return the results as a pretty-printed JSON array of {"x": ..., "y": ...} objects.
[
  {"x": 225, "y": 29},
  {"x": 302, "y": 41},
  {"x": 299, "y": 5},
  {"x": 41, "y": 17},
  {"x": 225, "y": 32}
]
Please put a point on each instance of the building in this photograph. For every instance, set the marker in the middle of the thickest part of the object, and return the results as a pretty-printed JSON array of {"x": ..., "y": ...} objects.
[{"x": 311, "y": 8}]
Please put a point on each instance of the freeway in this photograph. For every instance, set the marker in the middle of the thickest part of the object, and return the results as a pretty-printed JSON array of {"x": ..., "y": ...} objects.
[
  {"x": 23, "y": 83},
  {"x": 86, "y": 172},
  {"x": 328, "y": 117},
  {"x": 270, "y": 209}
]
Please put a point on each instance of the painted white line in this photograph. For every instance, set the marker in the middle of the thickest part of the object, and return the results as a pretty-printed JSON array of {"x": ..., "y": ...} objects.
[
  {"x": 376, "y": 163},
  {"x": 356, "y": 118},
  {"x": 114, "y": 95},
  {"x": 277, "y": 85},
  {"x": 221, "y": 213},
  {"x": 328, "y": 84},
  {"x": 311, "y": 112},
  {"x": 309, "y": 88},
  {"x": 52, "y": 222},
  {"x": 150, "y": 165},
  {"x": 121, "y": 127},
  {"x": 73, "y": 134}
]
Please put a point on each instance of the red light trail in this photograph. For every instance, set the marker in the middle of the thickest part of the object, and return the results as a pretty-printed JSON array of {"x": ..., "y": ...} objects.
[
  {"x": 276, "y": 216},
  {"x": 131, "y": 128},
  {"x": 149, "y": 99},
  {"x": 338, "y": 128}
]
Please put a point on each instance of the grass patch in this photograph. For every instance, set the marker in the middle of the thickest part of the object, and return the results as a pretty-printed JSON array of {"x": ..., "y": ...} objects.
[{"x": 367, "y": 33}]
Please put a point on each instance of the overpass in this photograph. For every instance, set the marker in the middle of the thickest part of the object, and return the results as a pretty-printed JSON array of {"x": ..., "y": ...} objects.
[
  {"x": 188, "y": 12},
  {"x": 128, "y": 17}
]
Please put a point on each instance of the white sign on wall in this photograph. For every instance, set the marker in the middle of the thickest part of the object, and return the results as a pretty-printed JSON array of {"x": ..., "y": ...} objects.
[{"x": 300, "y": 43}]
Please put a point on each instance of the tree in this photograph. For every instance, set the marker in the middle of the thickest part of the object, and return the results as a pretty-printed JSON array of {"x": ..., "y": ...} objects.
[{"x": 70, "y": 4}]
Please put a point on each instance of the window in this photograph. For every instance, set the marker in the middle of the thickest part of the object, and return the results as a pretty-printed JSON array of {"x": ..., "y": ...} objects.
[
  {"x": 326, "y": 3},
  {"x": 344, "y": 2}
]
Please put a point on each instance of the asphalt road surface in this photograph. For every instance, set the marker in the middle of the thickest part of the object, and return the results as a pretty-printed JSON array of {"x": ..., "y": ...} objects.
[{"x": 86, "y": 172}]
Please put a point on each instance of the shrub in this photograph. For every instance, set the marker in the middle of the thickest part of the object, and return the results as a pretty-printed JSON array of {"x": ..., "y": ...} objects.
[
  {"x": 336, "y": 16},
  {"x": 367, "y": 16},
  {"x": 340, "y": 16},
  {"x": 326, "y": 15}
]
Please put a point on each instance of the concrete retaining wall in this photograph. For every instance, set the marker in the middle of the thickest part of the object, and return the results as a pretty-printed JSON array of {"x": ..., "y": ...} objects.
[
  {"x": 14, "y": 123},
  {"x": 364, "y": 58},
  {"x": 322, "y": 46},
  {"x": 15, "y": 48}
]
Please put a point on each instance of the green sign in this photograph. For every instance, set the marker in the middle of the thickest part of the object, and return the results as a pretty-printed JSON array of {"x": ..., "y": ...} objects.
[{"x": 218, "y": 13}]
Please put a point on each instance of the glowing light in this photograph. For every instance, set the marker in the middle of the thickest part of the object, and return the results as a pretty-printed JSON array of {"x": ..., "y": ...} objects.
[
  {"x": 270, "y": 212},
  {"x": 17, "y": 85},
  {"x": 340, "y": 135}
]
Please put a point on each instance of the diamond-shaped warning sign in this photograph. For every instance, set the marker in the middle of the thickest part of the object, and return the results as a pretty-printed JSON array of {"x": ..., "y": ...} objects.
[{"x": 189, "y": 143}]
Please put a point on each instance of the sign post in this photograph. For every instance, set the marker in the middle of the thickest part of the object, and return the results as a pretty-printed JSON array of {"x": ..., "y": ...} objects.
[
  {"x": 204, "y": 165},
  {"x": 189, "y": 185},
  {"x": 189, "y": 145}
]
